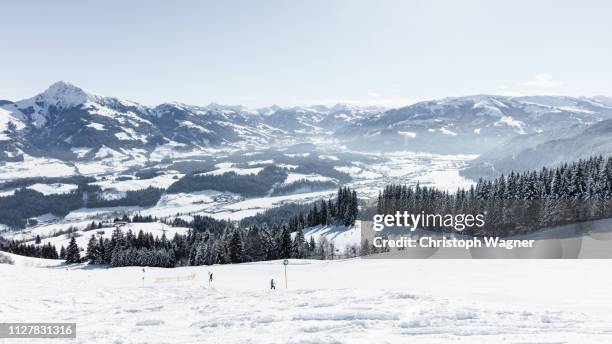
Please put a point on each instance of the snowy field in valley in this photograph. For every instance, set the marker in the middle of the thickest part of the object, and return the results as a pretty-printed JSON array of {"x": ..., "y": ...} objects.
[
  {"x": 441, "y": 171},
  {"x": 345, "y": 301},
  {"x": 367, "y": 178}
]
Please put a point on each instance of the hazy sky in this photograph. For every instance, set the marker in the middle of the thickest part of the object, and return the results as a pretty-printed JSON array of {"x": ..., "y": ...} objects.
[{"x": 304, "y": 52}]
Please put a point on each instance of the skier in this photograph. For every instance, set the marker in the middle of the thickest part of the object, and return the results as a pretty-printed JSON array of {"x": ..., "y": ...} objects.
[
  {"x": 272, "y": 285},
  {"x": 210, "y": 277}
]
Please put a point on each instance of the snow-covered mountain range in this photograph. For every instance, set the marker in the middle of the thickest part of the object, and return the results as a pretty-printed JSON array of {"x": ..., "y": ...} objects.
[
  {"x": 473, "y": 124},
  {"x": 67, "y": 123}
]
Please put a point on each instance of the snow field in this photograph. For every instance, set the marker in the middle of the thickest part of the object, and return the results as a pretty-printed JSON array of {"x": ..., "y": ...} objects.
[
  {"x": 294, "y": 177},
  {"x": 339, "y": 235},
  {"x": 35, "y": 167},
  {"x": 226, "y": 167},
  {"x": 162, "y": 181},
  {"x": 346, "y": 301},
  {"x": 224, "y": 205},
  {"x": 50, "y": 189}
]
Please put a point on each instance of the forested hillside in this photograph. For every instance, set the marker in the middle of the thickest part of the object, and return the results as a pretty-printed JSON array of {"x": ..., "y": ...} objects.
[
  {"x": 519, "y": 202},
  {"x": 211, "y": 241}
]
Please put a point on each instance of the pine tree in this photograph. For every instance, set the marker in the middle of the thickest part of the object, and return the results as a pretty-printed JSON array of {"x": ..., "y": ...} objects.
[
  {"x": 118, "y": 239},
  {"x": 299, "y": 245},
  {"x": 108, "y": 251},
  {"x": 235, "y": 248},
  {"x": 323, "y": 247},
  {"x": 352, "y": 208},
  {"x": 254, "y": 246},
  {"x": 73, "y": 254},
  {"x": 92, "y": 250},
  {"x": 202, "y": 254},
  {"x": 324, "y": 214},
  {"x": 311, "y": 246},
  {"x": 284, "y": 248},
  {"x": 192, "y": 255},
  {"x": 220, "y": 253}
]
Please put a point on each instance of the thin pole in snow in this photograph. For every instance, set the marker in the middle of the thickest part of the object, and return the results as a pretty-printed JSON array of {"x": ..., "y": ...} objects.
[{"x": 285, "y": 263}]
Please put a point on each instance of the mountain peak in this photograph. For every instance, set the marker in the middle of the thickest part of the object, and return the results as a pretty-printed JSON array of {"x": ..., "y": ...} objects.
[
  {"x": 64, "y": 93},
  {"x": 61, "y": 95}
]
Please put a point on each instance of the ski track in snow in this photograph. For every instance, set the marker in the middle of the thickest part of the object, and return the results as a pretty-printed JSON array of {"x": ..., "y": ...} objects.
[{"x": 350, "y": 301}]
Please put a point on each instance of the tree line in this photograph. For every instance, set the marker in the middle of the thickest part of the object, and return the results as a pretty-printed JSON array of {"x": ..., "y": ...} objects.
[
  {"x": 517, "y": 203},
  {"x": 249, "y": 185},
  {"x": 343, "y": 210},
  {"x": 16, "y": 209},
  {"x": 210, "y": 241},
  {"x": 199, "y": 247},
  {"x": 47, "y": 251}
]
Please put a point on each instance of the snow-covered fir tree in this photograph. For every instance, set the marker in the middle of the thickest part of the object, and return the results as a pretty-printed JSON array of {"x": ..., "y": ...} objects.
[{"x": 73, "y": 254}]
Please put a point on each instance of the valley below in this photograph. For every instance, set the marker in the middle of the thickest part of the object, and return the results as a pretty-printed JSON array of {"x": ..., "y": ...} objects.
[{"x": 365, "y": 172}]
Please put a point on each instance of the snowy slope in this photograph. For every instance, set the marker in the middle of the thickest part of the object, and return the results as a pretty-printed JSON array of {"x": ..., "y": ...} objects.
[
  {"x": 23, "y": 261},
  {"x": 534, "y": 151},
  {"x": 163, "y": 181},
  {"x": 341, "y": 236},
  {"x": 348, "y": 301}
]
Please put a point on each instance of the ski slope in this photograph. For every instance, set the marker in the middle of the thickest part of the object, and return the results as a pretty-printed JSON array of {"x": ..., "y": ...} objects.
[
  {"x": 344, "y": 301},
  {"x": 341, "y": 236}
]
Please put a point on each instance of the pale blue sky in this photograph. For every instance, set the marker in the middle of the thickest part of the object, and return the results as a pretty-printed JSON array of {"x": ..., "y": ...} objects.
[{"x": 304, "y": 52}]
